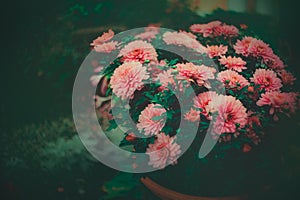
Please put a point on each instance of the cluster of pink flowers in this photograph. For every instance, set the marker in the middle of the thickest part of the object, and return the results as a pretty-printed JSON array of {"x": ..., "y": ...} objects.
[
  {"x": 252, "y": 77},
  {"x": 183, "y": 38},
  {"x": 103, "y": 44},
  {"x": 215, "y": 29},
  {"x": 250, "y": 46}
]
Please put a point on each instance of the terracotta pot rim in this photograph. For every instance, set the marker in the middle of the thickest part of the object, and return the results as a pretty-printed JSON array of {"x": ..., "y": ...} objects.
[{"x": 168, "y": 194}]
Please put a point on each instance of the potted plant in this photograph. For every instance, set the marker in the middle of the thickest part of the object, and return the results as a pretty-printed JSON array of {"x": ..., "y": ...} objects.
[{"x": 231, "y": 87}]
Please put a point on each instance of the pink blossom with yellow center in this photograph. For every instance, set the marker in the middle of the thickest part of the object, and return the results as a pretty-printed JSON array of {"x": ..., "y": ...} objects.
[
  {"x": 267, "y": 79},
  {"x": 216, "y": 51},
  {"x": 195, "y": 73},
  {"x": 106, "y": 36},
  {"x": 232, "y": 79},
  {"x": 127, "y": 78},
  {"x": 202, "y": 101},
  {"x": 231, "y": 114},
  {"x": 138, "y": 51},
  {"x": 234, "y": 63},
  {"x": 183, "y": 39},
  {"x": 192, "y": 115},
  {"x": 164, "y": 151},
  {"x": 147, "y": 123}
]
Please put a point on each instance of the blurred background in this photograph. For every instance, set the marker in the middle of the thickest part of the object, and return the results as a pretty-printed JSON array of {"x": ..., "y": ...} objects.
[{"x": 43, "y": 45}]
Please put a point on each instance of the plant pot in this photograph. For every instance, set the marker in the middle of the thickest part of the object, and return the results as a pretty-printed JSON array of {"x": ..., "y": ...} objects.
[{"x": 167, "y": 194}]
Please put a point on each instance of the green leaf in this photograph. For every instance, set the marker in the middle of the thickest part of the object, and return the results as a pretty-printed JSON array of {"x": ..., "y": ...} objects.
[
  {"x": 120, "y": 186},
  {"x": 173, "y": 62},
  {"x": 112, "y": 125}
]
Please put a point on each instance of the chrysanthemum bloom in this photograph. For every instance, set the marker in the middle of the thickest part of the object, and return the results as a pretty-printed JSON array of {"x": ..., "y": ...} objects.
[
  {"x": 195, "y": 73},
  {"x": 139, "y": 51},
  {"x": 274, "y": 62},
  {"x": 127, "y": 78},
  {"x": 267, "y": 79},
  {"x": 230, "y": 114},
  {"x": 103, "y": 38},
  {"x": 232, "y": 79},
  {"x": 215, "y": 51},
  {"x": 164, "y": 151},
  {"x": 106, "y": 47},
  {"x": 166, "y": 78},
  {"x": 258, "y": 48},
  {"x": 192, "y": 115},
  {"x": 191, "y": 35},
  {"x": 149, "y": 34},
  {"x": 234, "y": 63},
  {"x": 242, "y": 46},
  {"x": 226, "y": 31},
  {"x": 202, "y": 101},
  {"x": 183, "y": 39},
  {"x": 286, "y": 77},
  {"x": 279, "y": 102},
  {"x": 205, "y": 29},
  {"x": 147, "y": 123}
]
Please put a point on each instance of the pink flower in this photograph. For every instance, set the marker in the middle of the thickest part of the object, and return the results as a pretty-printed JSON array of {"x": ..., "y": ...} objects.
[
  {"x": 274, "y": 62},
  {"x": 202, "y": 101},
  {"x": 252, "y": 135},
  {"x": 279, "y": 102},
  {"x": 195, "y": 73},
  {"x": 149, "y": 34},
  {"x": 192, "y": 115},
  {"x": 183, "y": 39},
  {"x": 258, "y": 48},
  {"x": 127, "y": 78},
  {"x": 146, "y": 122},
  {"x": 286, "y": 77},
  {"x": 191, "y": 35},
  {"x": 166, "y": 78},
  {"x": 106, "y": 47},
  {"x": 103, "y": 38},
  {"x": 164, "y": 151},
  {"x": 95, "y": 79},
  {"x": 226, "y": 30},
  {"x": 230, "y": 114},
  {"x": 139, "y": 51},
  {"x": 234, "y": 63},
  {"x": 246, "y": 148},
  {"x": 232, "y": 79},
  {"x": 242, "y": 46},
  {"x": 205, "y": 29},
  {"x": 267, "y": 79},
  {"x": 215, "y": 51},
  {"x": 253, "y": 119}
]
